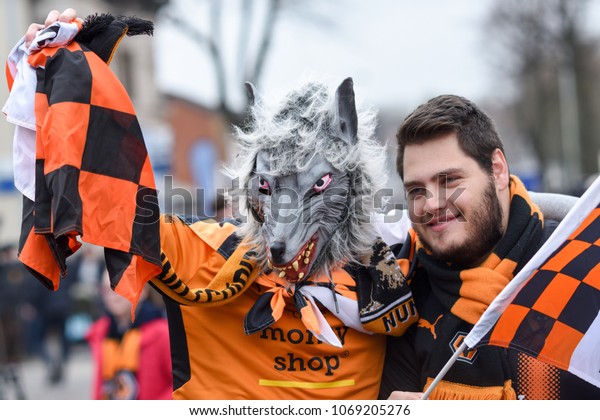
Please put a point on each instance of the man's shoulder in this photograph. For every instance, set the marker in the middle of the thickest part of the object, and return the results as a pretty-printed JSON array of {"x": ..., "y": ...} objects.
[
  {"x": 550, "y": 226},
  {"x": 393, "y": 226}
]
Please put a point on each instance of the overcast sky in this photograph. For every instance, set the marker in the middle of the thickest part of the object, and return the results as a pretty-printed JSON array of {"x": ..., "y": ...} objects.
[
  {"x": 396, "y": 51},
  {"x": 399, "y": 52}
]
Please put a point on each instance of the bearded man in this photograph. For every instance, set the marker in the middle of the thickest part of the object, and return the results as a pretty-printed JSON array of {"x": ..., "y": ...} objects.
[{"x": 474, "y": 226}]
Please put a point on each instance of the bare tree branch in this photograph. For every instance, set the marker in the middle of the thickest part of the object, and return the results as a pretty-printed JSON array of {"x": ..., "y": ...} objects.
[
  {"x": 265, "y": 41},
  {"x": 216, "y": 53}
]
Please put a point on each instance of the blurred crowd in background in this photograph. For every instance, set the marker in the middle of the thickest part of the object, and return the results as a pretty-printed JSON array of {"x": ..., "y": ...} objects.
[{"x": 37, "y": 322}]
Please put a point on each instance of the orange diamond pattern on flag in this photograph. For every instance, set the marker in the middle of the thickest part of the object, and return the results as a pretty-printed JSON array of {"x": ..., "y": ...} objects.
[
  {"x": 552, "y": 310},
  {"x": 94, "y": 179}
]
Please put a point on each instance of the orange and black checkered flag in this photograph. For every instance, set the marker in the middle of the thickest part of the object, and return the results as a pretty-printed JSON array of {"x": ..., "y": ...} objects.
[
  {"x": 551, "y": 309},
  {"x": 93, "y": 175}
]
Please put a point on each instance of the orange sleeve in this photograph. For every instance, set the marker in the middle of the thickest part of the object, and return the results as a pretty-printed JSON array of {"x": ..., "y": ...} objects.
[{"x": 192, "y": 254}]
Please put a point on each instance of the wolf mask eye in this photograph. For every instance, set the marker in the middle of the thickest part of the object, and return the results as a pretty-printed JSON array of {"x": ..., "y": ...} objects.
[
  {"x": 263, "y": 186},
  {"x": 322, "y": 183}
]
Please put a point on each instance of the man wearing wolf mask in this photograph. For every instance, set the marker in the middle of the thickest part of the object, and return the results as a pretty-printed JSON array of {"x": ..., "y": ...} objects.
[
  {"x": 296, "y": 301},
  {"x": 286, "y": 304}
]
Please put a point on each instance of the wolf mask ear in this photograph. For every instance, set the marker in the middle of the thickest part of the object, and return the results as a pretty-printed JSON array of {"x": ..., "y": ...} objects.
[
  {"x": 346, "y": 108},
  {"x": 251, "y": 92}
]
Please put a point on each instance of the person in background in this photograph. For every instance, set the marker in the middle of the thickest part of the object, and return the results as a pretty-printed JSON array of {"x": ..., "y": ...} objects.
[
  {"x": 13, "y": 303},
  {"x": 131, "y": 359},
  {"x": 50, "y": 311}
]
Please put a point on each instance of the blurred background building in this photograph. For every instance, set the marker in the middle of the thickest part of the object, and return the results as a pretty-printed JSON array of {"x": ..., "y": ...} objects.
[{"x": 533, "y": 65}]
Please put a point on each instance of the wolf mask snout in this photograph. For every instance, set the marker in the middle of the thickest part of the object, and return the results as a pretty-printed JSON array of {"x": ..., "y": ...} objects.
[{"x": 277, "y": 253}]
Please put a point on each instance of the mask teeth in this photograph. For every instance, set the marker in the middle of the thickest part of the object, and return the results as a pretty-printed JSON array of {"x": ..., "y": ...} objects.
[{"x": 303, "y": 257}]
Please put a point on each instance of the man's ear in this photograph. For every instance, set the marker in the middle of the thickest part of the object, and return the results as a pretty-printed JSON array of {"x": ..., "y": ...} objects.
[{"x": 500, "y": 170}]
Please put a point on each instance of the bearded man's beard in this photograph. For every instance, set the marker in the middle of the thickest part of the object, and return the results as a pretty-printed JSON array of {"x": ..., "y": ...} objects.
[{"x": 484, "y": 230}]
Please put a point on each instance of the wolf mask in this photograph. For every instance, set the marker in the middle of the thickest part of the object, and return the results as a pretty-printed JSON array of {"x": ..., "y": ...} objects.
[{"x": 308, "y": 171}]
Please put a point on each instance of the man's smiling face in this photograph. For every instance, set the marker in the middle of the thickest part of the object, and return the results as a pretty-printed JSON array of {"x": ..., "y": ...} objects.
[{"x": 453, "y": 203}]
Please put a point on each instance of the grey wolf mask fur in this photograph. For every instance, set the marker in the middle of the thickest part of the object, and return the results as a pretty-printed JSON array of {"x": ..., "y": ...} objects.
[{"x": 308, "y": 171}]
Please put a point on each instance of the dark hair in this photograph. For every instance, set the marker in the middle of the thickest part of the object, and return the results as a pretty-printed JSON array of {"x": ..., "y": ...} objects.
[{"x": 446, "y": 114}]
